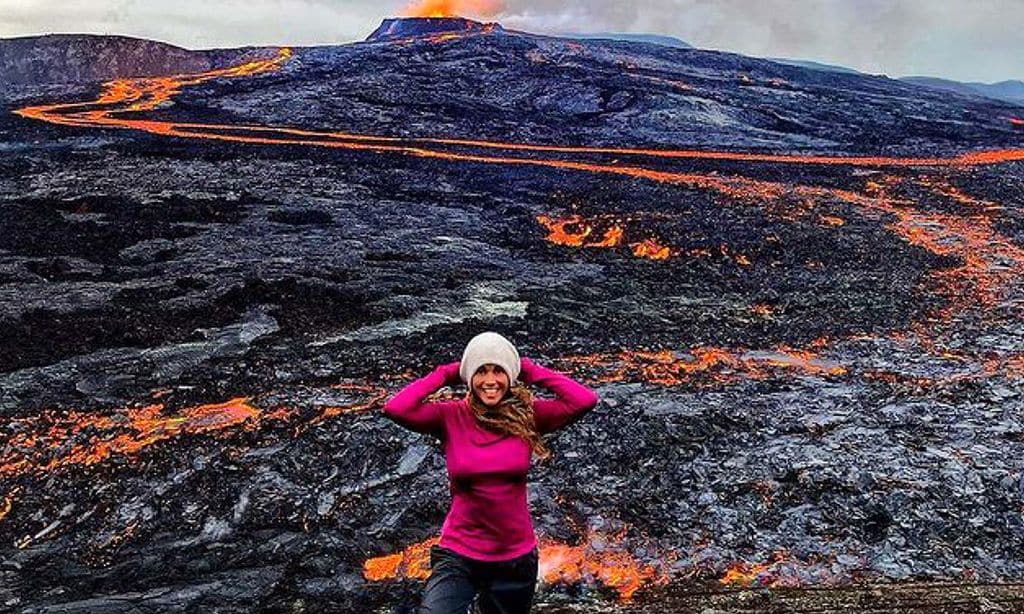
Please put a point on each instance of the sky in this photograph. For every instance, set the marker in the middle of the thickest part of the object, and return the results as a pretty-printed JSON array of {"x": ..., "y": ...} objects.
[{"x": 966, "y": 40}]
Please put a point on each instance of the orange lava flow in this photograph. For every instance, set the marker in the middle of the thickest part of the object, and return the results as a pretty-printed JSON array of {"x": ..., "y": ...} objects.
[
  {"x": 649, "y": 248},
  {"x": 679, "y": 85},
  {"x": 143, "y": 94},
  {"x": 703, "y": 366},
  {"x": 133, "y": 95},
  {"x": 1016, "y": 121},
  {"x": 48, "y": 442},
  {"x": 781, "y": 570},
  {"x": 607, "y": 564},
  {"x": 930, "y": 231},
  {"x": 559, "y": 231},
  {"x": 991, "y": 261},
  {"x": 599, "y": 560},
  {"x": 744, "y": 574},
  {"x": 1010, "y": 366},
  {"x": 413, "y": 563},
  {"x": 962, "y": 160},
  {"x": 576, "y": 231},
  {"x": 944, "y": 188}
]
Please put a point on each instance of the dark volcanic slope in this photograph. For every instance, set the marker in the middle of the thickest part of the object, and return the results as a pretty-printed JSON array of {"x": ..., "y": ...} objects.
[
  {"x": 83, "y": 58},
  {"x": 811, "y": 373},
  {"x": 537, "y": 89}
]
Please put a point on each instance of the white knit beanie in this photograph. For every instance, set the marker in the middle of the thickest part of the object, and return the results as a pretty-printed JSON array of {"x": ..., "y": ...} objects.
[{"x": 489, "y": 348}]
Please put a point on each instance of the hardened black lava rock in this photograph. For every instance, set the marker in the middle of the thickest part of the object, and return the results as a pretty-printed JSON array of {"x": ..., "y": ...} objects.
[{"x": 835, "y": 398}]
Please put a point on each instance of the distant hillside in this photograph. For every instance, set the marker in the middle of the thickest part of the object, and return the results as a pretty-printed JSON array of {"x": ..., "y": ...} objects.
[
  {"x": 816, "y": 66},
  {"x": 81, "y": 58},
  {"x": 653, "y": 39},
  {"x": 1009, "y": 91}
]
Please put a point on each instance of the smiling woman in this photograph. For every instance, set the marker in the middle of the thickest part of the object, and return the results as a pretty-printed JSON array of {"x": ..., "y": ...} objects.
[{"x": 488, "y": 550}]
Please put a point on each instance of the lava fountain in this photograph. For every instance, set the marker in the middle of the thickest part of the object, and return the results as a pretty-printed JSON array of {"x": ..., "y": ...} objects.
[{"x": 453, "y": 8}]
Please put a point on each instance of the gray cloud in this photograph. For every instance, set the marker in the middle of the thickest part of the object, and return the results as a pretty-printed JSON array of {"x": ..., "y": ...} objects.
[
  {"x": 199, "y": 23},
  {"x": 973, "y": 39},
  {"x": 966, "y": 40}
]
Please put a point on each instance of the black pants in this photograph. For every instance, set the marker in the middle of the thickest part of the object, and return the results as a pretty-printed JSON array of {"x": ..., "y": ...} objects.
[{"x": 501, "y": 587}]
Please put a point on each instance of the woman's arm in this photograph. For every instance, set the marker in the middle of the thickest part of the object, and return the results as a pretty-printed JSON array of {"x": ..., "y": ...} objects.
[
  {"x": 408, "y": 409},
  {"x": 572, "y": 398}
]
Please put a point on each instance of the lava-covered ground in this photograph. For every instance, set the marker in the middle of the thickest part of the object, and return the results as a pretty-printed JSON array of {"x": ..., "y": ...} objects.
[{"x": 797, "y": 293}]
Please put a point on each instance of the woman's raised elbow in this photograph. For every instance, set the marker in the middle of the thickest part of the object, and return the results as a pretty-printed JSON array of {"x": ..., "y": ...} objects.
[{"x": 391, "y": 409}]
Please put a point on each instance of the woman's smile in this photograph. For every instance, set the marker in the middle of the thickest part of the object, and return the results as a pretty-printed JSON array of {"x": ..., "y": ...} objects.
[
  {"x": 490, "y": 383},
  {"x": 490, "y": 392}
]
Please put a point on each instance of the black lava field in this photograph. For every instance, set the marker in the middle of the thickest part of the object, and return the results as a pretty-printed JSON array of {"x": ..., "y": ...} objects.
[{"x": 798, "y": 294}]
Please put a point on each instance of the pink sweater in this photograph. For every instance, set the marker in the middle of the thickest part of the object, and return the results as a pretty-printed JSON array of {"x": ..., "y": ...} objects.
[{"x": 489, "y": 518}]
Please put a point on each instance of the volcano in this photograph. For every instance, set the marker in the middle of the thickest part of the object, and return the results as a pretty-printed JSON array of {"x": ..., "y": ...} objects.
[{"x": 416, "y": 27}]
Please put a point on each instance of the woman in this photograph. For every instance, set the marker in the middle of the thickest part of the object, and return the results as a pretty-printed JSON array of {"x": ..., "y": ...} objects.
[{"x": 488, "y": 548}]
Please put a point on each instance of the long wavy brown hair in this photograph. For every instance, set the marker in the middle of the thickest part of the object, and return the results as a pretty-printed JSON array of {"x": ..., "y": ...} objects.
[{"x": 512, "y": 416}]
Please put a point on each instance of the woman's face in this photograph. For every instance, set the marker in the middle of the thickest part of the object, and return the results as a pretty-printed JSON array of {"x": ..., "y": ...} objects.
[{"x": 490, "y": 383}]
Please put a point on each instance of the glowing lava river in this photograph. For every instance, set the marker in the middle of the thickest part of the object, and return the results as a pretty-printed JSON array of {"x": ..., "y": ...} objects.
[
  {"x": 749, "y": 440},
  {"x": 136, "y": 95}
]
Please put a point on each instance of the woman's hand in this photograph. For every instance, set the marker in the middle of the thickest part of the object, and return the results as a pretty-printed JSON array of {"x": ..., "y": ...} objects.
[
  {"x": 527, "y": 373},
  {"x": 572, "y": 399},
  {"x": 451, "y": 373}
]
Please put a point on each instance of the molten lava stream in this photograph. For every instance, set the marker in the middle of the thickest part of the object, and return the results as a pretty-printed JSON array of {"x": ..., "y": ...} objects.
[
  {"x": 700, "y": 367},
  {"x": 133, "y": 95},
  {"x": 601, "y": 559},
  {"x": 783, "y": 570},
  {"x": 50, "y": 441},
  {"x": 934, "y": 232},
  {"x": 123, "y": 96},
  {"x": 411, "y": 145},
  {"x": 992, "y": 262}
]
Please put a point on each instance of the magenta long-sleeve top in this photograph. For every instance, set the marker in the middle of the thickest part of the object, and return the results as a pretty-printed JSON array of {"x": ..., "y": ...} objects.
[{"x": 489, "y": 519}]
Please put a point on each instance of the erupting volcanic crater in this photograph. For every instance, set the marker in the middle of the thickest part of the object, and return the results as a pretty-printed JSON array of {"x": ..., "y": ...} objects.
[
  {"x": 413, "y": 27},
  {"x": 798, "y": 294}
]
